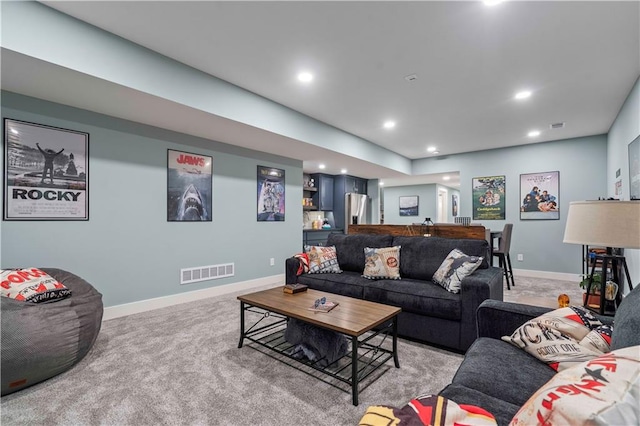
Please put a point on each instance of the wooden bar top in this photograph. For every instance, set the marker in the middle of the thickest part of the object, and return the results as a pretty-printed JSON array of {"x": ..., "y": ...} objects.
[{"x": 475, "y": 232}]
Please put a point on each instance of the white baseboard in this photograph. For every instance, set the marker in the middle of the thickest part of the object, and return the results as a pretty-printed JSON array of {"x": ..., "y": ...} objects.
[
  {"x": 550, "y": 275},
  {"x": 125, "y": 309}
]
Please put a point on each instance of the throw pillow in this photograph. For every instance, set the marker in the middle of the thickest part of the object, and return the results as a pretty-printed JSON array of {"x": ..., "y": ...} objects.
[
  {"x": 303, "y": 263},
  {"x": 427, "y": 410},
  {"x": 322, "y": 260},
  {"x": 380, "y": 263},
  {"x": 563, "y": 337},
  {"x": 31, "y": 285},
  {"x": 602, "y": 391},
  {"x": 456, "y": 267}
]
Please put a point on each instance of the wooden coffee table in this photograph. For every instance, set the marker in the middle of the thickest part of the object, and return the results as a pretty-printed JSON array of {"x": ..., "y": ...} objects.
[{"x": 354, "y": 318}]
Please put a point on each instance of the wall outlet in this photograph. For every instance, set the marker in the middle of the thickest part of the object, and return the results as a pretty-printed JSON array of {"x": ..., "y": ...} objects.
[
  {"x": 272, "y": 261},
  {"x": 520, "y": 257}
]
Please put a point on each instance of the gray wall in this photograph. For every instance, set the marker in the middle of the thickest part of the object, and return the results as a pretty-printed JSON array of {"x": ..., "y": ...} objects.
[
  {"x": 624, "y": 130},
  {"x": 426, "y": 203},
  {"x": 582, "y": 165},
  {"x": 127, "y": 249}
]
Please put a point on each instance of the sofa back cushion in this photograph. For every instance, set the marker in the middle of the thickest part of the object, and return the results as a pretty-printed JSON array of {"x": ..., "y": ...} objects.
[
  {"x": 350, "y": 248},
  {"x": 420, "y": 257},
  {"x": 626, "y": 329}
]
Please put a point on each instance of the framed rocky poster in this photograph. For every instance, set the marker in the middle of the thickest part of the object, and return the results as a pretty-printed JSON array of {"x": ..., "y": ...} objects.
[
  {"x": 46, "y": 172},
  {"x": 189, "y": 187}
]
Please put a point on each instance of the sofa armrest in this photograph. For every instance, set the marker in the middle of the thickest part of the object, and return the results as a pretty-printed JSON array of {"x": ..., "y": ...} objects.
[
  {"x": 497, "y": 319},
  {"x": 291, "y": 266}
]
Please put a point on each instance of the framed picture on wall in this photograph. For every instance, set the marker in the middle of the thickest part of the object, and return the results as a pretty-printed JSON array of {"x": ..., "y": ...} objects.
[
  {"x": 489, "y": 197},
  {"x": 540, "y": 196},
  {"x": 408, "y": 205},
  {"x": 634, "y": 169},
  {"x": 46, "y": 172},
  {"x": 189, "y": 187},
  {"x": 271, "y": 194},
  {"x": 454, "y": 205}
]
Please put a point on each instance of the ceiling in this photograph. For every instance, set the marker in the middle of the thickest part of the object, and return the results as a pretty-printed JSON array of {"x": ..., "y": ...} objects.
[{"x": 579, "y": 60}]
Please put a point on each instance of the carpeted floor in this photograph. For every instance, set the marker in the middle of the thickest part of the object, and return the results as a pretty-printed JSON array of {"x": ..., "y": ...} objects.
[{"x": 181, "y": 366}]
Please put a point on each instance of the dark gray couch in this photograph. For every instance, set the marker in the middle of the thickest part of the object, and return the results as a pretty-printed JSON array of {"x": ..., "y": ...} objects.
[
  {"x": 429, "y": 312},
  {"x": 499, "y": 377}
]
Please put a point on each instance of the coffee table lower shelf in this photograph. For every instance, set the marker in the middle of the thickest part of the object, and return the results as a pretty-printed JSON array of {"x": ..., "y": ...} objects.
[{"x": 370, "y": 355}]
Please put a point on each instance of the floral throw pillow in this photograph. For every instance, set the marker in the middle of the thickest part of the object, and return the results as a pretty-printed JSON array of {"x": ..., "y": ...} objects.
[
  {"x": 31, "y": 285},
  {"x": 456, "y": 267},
  {"x": 322, "y": 260},
  {"x": 382, "y": 263}
]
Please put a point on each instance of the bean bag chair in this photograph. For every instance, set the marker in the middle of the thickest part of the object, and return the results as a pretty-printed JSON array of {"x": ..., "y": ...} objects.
[{"x": 41, "y": 340}]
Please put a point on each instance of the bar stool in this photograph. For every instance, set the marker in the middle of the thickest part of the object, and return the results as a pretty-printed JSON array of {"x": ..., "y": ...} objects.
[{"x": 502, "y": 253}]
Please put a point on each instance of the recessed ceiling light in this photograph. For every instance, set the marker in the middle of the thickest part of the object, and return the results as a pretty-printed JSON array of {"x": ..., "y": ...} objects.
[
  {"x": 381, "y": 183},
  {"x": 523, "y": 95},
  {"x": 435, "y": 152},
  {"x": 431, "y": 149},
  {"x": 445, "y": 178},
  {"x": 533, "y": 133},
  {"x": 321, "y": 166},
  {"x": 343, "y": 171},
  {"x": 389, "y": 124},
  {"x": 305, "y": 77},
  {"x": 492, "y": 2}
]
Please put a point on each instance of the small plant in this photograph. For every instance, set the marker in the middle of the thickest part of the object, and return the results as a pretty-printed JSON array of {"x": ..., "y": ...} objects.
[{"x": 595, "y": 283}]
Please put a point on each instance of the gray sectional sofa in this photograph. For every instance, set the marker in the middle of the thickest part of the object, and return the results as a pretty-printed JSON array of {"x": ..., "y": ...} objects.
[
  {"x": 500, "y": 377},
  {"x": 429, "y": 312}
]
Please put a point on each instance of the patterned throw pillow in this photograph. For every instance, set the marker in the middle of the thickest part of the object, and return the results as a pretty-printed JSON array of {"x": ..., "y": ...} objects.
[
  {"x": 382, "y": 263},
  {"x": 602, "y": 391},
  {"x": 31, "y": 285},
  {"x": 563, "y": 337},
  {"x": 456, "y": 267},
  {"x": 431, "y": 410},
  {"x": 322, "y": 260}
]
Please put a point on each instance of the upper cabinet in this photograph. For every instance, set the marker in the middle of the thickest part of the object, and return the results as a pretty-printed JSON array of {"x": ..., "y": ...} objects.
[{"x": 323, "y": 198}]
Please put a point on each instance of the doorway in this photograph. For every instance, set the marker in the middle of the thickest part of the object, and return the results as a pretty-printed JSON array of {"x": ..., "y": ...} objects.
[{"x": 443, "y": 205}]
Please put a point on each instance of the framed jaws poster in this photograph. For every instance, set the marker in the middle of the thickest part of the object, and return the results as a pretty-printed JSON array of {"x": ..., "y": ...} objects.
[
  {"x": 189, "y": 187},
  {"x": 46, "y": 172}
]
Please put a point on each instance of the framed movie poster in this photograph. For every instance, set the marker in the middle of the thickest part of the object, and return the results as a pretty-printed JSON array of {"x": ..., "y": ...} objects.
[
  {"x": 408, "y": 205},
  {"x": 270, "y": 194},
  {"x": 540, "y": 196},
  {"x": 634, "y": 169},
  {"x": 454, "y": 205},
  {"x": 189, "y": 187},
  {"x": 488, "y": 198},
  {"x": 46, "y": 172}
]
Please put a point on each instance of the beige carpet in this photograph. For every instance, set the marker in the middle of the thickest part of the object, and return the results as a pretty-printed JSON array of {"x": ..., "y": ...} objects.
[{"x": 181, "y": 366}]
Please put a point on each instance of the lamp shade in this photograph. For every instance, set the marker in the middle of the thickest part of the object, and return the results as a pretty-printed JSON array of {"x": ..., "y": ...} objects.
[{"x": 604, "y": 223}]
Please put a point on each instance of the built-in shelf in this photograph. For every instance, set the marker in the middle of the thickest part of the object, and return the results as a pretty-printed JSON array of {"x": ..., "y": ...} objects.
[
  {"x": 309, "y": 188},
  {"x": 309, "y": 207}
]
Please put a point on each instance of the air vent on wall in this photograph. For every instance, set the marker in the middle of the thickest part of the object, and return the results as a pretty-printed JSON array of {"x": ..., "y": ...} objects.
[
  {"x": 203, "y": 273},
  {"x": 556, "y": 126}
]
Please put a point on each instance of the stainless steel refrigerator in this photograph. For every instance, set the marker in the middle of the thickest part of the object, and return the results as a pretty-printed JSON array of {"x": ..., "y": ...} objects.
[{"x": 355, "y": 209}]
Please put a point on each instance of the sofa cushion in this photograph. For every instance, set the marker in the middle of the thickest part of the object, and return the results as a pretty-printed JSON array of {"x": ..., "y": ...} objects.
[
  {"x": 502, "y": 411},
  {"x": 421, "y": 257},
  {"x": 456, "y": 267},
  {"x": 350, "y": 248},
  {"x": 382, "y": 263},
  {"x": 347, "y": 283},
  {"x": 420, "y": 297},
  {"x": 627, "y": 322},
  {"x": 502, "y": 371}
]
